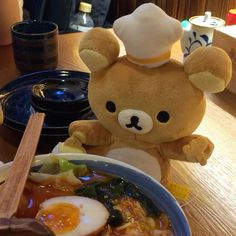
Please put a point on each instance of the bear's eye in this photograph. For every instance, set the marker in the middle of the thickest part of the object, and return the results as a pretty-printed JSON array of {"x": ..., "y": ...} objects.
[
  {"x": 111, "y": 107},
  {"x": 163, "y": 116}
]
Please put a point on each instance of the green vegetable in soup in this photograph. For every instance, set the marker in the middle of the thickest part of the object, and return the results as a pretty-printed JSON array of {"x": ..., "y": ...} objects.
[
  {"x": 58, "y": 165},
  {"x": 79, "y": 170}
]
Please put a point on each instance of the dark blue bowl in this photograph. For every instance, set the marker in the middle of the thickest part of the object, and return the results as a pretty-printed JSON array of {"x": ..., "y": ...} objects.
[
  {"x": 63, "y": 101},
  {"x": 16, "y": 102},
  {"x": 60, "y": 95}
]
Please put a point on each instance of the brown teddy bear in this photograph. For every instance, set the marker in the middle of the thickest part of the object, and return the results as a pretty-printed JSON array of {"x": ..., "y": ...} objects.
[{"x": 147, "y": 105}]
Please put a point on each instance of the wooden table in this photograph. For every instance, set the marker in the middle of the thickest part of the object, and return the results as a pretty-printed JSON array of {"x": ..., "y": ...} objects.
[{"x": 212, "y": 207}]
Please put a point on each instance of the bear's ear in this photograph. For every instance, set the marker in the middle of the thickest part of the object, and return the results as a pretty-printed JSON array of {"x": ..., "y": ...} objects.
[
  {"x": 209, "y": 69},
  {"x": 98, "y": 48}
]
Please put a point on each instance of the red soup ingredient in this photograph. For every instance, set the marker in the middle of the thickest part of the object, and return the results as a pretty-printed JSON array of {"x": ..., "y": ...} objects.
[{"x": 34, "y": 194}]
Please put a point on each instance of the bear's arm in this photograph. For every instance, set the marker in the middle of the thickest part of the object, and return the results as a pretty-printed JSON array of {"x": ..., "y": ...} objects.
[
  {"x": 193, "y": 148},
  {"x": 89, "y": 132}
]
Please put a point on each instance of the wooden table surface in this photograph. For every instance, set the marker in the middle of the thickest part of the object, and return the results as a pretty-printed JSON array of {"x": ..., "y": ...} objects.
[{"x": 211, "y": 210}]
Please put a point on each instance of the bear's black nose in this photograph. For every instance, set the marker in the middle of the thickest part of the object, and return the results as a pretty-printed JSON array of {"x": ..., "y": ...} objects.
[
  {"x": 134, "y": 120},
  {"x": 134, "y": 123}
]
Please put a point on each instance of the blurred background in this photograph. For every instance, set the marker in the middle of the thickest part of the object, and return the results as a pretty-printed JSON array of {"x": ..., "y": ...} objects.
[{"x": 104, "y": 12}]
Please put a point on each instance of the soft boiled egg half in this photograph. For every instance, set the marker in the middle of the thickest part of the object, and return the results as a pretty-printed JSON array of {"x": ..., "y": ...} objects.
[{"x": 73, "y": 215}]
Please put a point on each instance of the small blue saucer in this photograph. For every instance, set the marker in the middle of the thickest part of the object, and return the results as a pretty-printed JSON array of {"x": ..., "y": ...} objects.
[{"x": 16, "y": 100}]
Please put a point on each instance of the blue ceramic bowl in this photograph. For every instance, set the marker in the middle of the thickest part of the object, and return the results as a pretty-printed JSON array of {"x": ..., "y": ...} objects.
[
  {"x": 59, "y": 89},
  {"x": 60, "y": 95},
  {"x": 153, "y": 189},
  {"x": 63, "y": 100}
]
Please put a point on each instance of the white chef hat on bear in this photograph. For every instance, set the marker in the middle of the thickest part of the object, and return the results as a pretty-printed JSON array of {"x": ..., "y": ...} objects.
[{"x": 148, "y": 35}]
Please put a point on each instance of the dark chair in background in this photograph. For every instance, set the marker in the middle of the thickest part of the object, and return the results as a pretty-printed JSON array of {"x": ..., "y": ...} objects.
[
  {"x": 34, "y": 9},
  {"x": 180, "y": 9},
  {"x": 61, "y": 11}
]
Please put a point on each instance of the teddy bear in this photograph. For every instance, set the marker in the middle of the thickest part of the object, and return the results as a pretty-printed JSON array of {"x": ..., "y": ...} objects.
[{"x": 147, "y": 105}]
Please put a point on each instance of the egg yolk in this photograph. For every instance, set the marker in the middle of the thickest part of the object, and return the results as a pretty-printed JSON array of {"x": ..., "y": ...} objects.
[{"x": 60, "y": 217}]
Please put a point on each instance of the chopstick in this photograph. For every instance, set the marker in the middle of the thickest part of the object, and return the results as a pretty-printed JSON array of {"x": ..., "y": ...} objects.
[
  {"x": 1, "y": 115},
  {"x": 13, "y": 186}
]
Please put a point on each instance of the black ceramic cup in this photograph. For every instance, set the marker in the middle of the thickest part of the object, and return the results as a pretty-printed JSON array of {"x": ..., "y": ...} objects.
[{"x": 35, "y": 45}]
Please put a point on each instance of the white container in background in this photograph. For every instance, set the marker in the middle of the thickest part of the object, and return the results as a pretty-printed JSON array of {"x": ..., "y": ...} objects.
[
  {"x": 198, "y": 32},
  {"x": 225, "y": 38}
]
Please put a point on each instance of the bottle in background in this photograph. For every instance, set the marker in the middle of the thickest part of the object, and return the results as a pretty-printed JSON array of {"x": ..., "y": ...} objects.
[{"x": 82, "y": 21}]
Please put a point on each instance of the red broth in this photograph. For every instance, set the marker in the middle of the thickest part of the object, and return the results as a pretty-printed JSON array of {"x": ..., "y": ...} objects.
[{"x": 34, "y": 194}]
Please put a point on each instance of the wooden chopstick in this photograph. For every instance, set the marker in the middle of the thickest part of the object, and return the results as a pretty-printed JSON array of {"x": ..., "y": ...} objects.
[
  {"x": 1, "y": 115},
  {"x": 18, "y": 173}
]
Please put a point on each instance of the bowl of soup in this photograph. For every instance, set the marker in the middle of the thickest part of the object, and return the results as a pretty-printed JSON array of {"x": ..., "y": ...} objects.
[{"x": 83, "y": 194}]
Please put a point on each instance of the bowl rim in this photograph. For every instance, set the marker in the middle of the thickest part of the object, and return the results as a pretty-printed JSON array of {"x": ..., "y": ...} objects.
[
  {"x": 61, "y": 112},
  {"x": 34, "y": 22},
  {"x": 38, "y": 99},
  {"x": 151, "y": 188}
]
